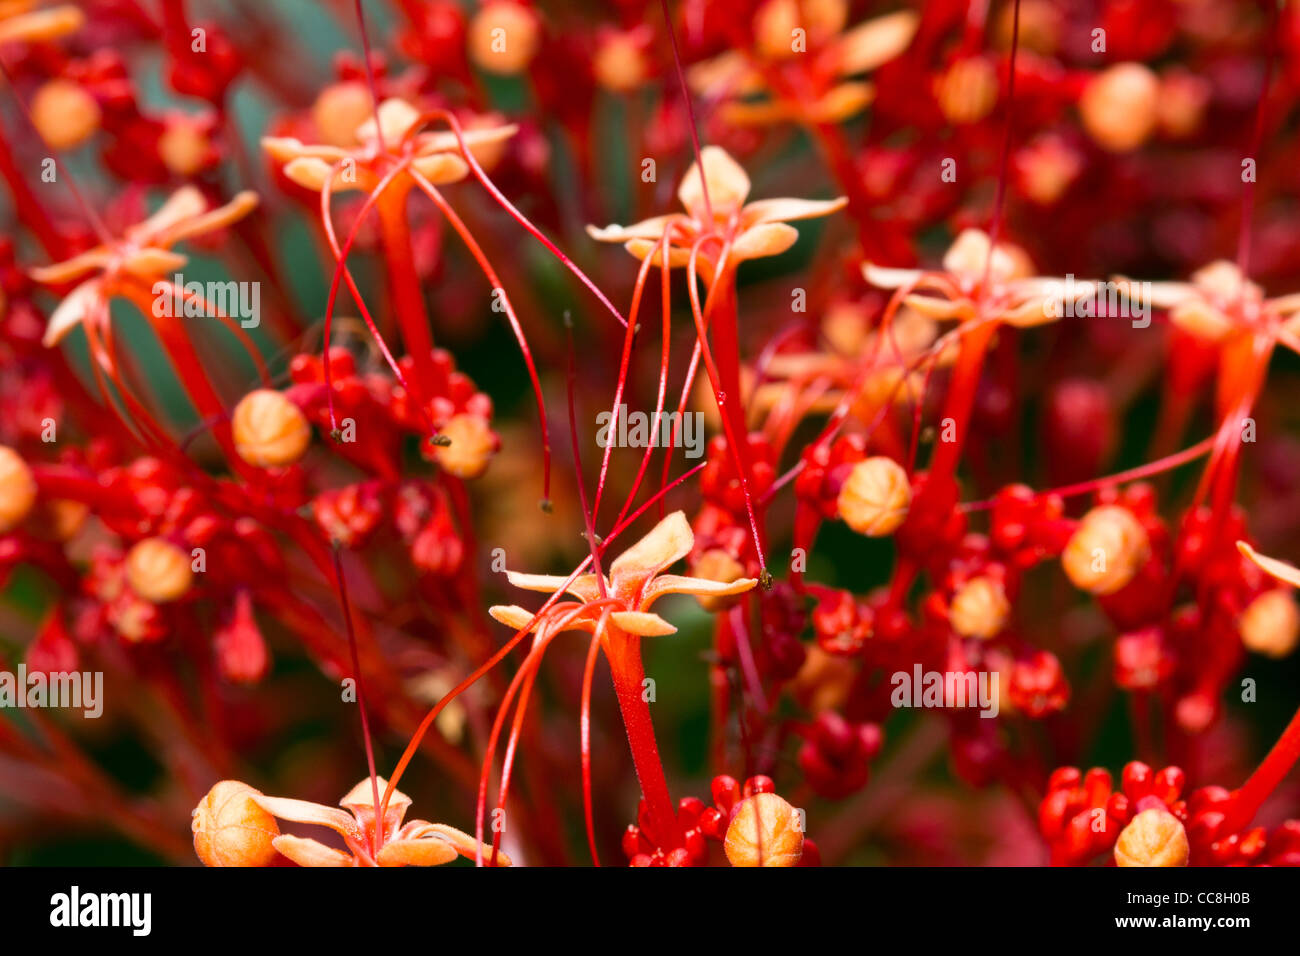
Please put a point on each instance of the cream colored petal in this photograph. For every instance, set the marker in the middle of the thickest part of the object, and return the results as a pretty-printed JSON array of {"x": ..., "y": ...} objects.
[
  {"x": 1278, "y": 569},
  {"x": 304, "y": 811},
  {"x": 940, "y": 309},
  {"x": 789, "y": 210},
  {"x": 764, "y": 112},
  {"x": 877, "y": 41},
  {"x": 150, "y": 262},
  {"x": 362, "y": 796},
  {"x": 584, "y": 587},
  {"x": 667, "y": 542},
  {"x": 1163, "y": 295},
  {"x": 727, "y": 184},
  {"x": 425, "y": 851},
  {"x": 883, "y": 277},
  {"x": 642, "y": 623},
  {"x": 768, "y": 239},
  {"x": 283, "y": 149},
  {"x": 441, "y": 168},
  {"x": 842, "y": 103},
  {"x": 186, "y": 203},
  {"x": 396, "y": 117},
  {"x": 461, "y": 842},
  {"x": 239, "y": 206},
  {"x": 76, "y": 307},
  {"x": 74, "y": 268},
  {"x": 652, "y": 228},
  {"x": 41, "y": 25},
  {"x": 1284, "y": 305},
  {"x": 646, "y": 248},
  {"x": 445, "y": 141},
  {"x": 1199, "y": 318},
  {"x": 682, "y": 584},
  {"x": 969, "y": 254},
  {"x": 313, "y": 173},
  {"x": 729, "y": 74},
  {"x": 1034, "y": 312},
  {"x": 513, "y": 616},
  {"x": 307, "y": 852}
]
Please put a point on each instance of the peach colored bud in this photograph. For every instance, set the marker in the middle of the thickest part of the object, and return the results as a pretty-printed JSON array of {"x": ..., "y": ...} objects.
[
  {"x": 231, "y": 830},
  {"x": 620, "y": 63},
  {"x": 184, "y": 147},
  {"x": 1120, "y": 106},
  {"x": 1183, "y": 98},
  {"x": 875, "y": 498},
  {"x": 1047, "y": 167},
  {"x": 718, "y": 565},
  {"x": 1154, "y": 837},
  {"x": 472, "y": 446},
  {"x": 158, "y": 571},
  {"x": 1270, "y": 625},
  {"x": 61, "y": 518},
  {"x": 503, "y": 37},
  {"x": 269, "y": 430},
  {"x": 774, "y": 26},
  {"x": 1106, "y": 550},
  {"x": 979, "y": 608},
  {"x": 967, "y": 91},
  {"x": 339, "y": 110},
  {"x": 764, "y": 832},
  {"x": 64, "y": 114},
  {"x": 17, "y": 489}
]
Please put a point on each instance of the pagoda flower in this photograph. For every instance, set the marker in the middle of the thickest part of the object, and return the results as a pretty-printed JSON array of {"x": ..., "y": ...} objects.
[
  {"x": 133, "y": 265},
  {"x": 235, "y": 825},
  {"x": 809, "y": 37},
  {"x": 382, "y": 141},
  {"x": 616, "y": 610},
  {"x": 713, "y": 193},
  {"x": 973, "y": 285},
  {"x": 1220, "y": 299}
]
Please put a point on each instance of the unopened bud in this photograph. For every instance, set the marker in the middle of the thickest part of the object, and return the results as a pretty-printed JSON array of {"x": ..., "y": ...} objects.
[
  {"x": 269, "y": 430},
  {"x": 1120, "y": 106},
  {"x": 1154, "y": 837},
  {"x": 230, "y": 829},
  {"x": 979, "y": 608},
  {"x": 503, "y": 37},
  {"x": 158, "y": 571},
  {"x": 875, "y": 497},
  {"x": 470, "y": 447},
  {"x": 17, "y": 489},
  {"x": 64, "y": 113},
  {"x": 1106, "y": 550},
  {"x": 1270, "y": 625},
  {"x": 765, "y": 831}
]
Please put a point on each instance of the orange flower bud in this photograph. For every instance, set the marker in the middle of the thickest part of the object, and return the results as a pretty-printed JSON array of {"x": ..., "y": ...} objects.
[
  {"x": 1154, "y": 837},
  {"x": 17, "y": 489},
  {"x": 1120, "y": 106},
  {"x": 774, "y": 26},
  {"x": 764, "y": 832},
  {"x": 472, "y": 446},
  {"x": 230, "y": 829},
  {"x": 875, "y": 498},
  {"x": 979, "y": 608},
  {"x": 620, "y": 63},
  {"x": 503, "y": 37},
  {"x": 1270, "y": 625},
  {"x": 64, "y": 114},
  {"x": 1106, "y": 550},
  {"x": 967, "y": 91},
  {"x": 158, "y": 571},
  {"x": 269, "y": 430},
  {"x": 339, "y": 110},
  {"x": 184, "y": 146}
]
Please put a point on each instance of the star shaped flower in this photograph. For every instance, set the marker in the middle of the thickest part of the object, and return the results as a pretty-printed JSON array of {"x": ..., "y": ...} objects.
[
  {"x": 971, "y": 286},
  {"x": 713, "y": 192},
  {"x": 1219, "y": 300},
  {"x": 140, "y": 257},
  {"x": 636, "y": 580},
  {"x": 393, "y": 139}
]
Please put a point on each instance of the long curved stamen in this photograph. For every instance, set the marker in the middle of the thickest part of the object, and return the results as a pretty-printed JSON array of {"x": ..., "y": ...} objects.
[{"x": 584, "y": 734}]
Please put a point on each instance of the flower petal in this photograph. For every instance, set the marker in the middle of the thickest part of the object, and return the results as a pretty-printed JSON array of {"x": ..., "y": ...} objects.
[
  {"x": 940, "y": 309},
  {"x": 304, "y": 811},
  {"x": 74, "y": 268},
  {"x": 768, "y": 239},
  {"x": 584, "y": 587},
  {"x": 841, "y": 103},
  {"x": 667, "y": 542},
  {"x": 311, "y": 173},
  {"x": 41, "y": 25},
  {"x": 788, "y": 210},
  {"x": 224, "y": 215},
  {"x": 183, "y": 204},
  {"x": 642, "y": 623},
  {"x": 306, "y": 852},
  {"x": 647, "y": 248},
  {"x": 396, "y": 117},
  {"x": 445, "y": 141},
  {"x": 362, "y": 797},
  {"x": 441, "y": 168},
  {"x": 461, "y": 842},
  {"x": 425, "y": 851},
  {"x": 727, "y": 184},
  {"x": 150, "y": 262},
  {"x": 513, "y": 616},
  {"x": 877, "y": 41},
  {"x": 728, "y": 74},
  {"x": 283, "y": 149},
  {"x": 75, "y": 308},
  {"x": 883, "y": 277},
  {"x": 1278, "y": 569},
  {"x": 682, "y": 584},
  {"x": 652, "y": 228}
]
